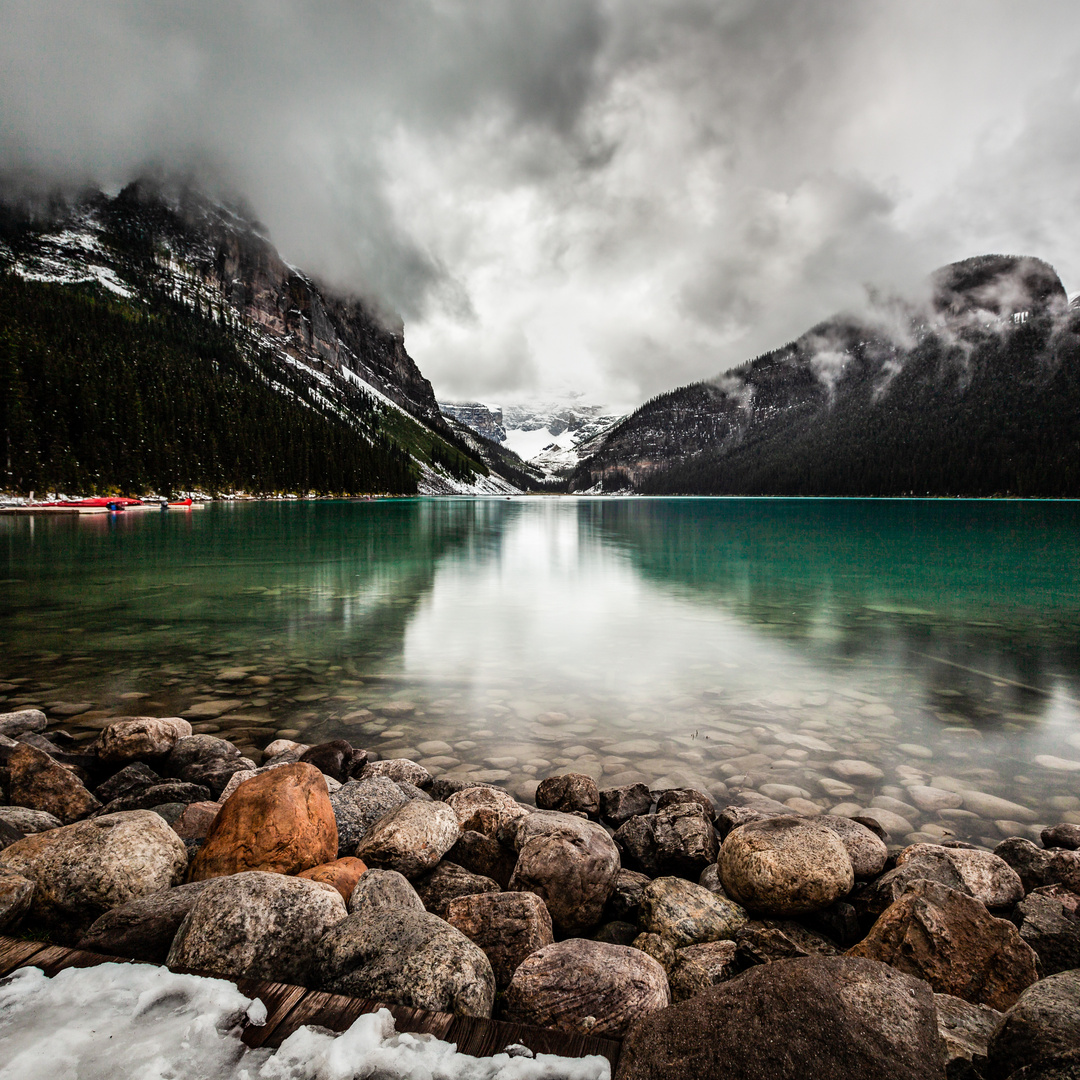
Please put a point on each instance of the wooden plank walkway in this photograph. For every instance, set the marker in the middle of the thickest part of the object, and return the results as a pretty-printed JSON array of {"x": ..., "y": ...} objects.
[{"x": 290, "y": 1007}]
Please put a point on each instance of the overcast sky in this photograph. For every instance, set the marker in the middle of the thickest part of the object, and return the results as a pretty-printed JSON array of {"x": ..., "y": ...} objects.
[{"x": 614, "y": 196}]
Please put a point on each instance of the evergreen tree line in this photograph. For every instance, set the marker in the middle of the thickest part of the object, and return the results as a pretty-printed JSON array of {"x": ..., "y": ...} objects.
[{"x": 100, "y": 396}]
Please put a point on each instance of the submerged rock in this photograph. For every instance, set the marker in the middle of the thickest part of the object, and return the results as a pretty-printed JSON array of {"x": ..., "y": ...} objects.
[{"x": 588, "y": 987}]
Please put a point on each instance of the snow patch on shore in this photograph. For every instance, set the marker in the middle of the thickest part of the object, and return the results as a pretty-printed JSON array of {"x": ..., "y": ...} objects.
[{"x": 146, "y": 1023}]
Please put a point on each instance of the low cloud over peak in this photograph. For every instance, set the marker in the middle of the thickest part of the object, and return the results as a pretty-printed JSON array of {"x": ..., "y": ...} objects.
[{"x": 621, "y": 195}]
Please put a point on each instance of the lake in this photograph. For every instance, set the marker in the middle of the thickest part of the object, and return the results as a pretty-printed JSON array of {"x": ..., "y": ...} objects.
[{"x": 824, "y": 653}]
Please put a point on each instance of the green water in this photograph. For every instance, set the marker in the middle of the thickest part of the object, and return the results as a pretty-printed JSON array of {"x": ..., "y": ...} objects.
[{"x": 724, "y": 643}]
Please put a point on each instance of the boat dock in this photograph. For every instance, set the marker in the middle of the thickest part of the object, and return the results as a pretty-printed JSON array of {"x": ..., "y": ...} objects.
[{"x": 290, "y": 1007}]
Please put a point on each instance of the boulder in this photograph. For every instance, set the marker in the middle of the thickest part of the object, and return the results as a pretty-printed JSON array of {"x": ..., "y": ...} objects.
[
  {"x": 1036, "y": 867},
  {"x": 341, "y": 874},
  {"x": 484, "y": 810},
  {"x": 785, "y": 866},
  {"x": 195, "y": 821},
  {"x": 83, "y": 870},
  {"x": 1049, "y": 921},
  {"x": 734, "y": 817},
  {"x": 257, "y": 925},
  {"x": 13, "y": 724},
  {"x": 636, "y": 842},
  {"x": 660, "y": 949},
  {"x": 866, "y": 850},
  {"x": 832, "y": 1018},
  {"x": 966, "y": 1031},
  {"x": 383, "y": 890},
  {"x": 618, "y": 804},
  {"x": 169, "y": 791},
  {"x": 398, "y": 769},
  {"x": 508, "y": 927},
  {"x": 1065, "y": 835},
  {"x": 406, "y": 958},
  {"x": 280, "y": 821},
  {"x": 615, "y": 932},
  {"x": 447, "y": 882},
  {"x": 678, "y": 796},
  {"x": 359, "y": 804},
  {"x": 588, "y": 987},
  {"x": 131, "y": 778},
  {"x": 931, "y": 864},
  {"x": 28, "y": 821},
  {"x": 143, "y": 929},
  {"x": 686, "y": 842},
  {"x": 1043, "y": 1025},
  {"x": 569, "y": 793},
  {"x": 16, "y": 893},
  {"x": 8, "y": 834},
  {"x": 626, "y": 896},
  {"x": 986, "y": 876},
  {"x": 570, "y": 863},
  {"x": 697, "y": 968},
  {"x": 686, "y": 914},
  {"x": 336, "y": 758},
  {"x": 35, "y": 780},
  {"x": 949, "y": 939},
  {"x": 141, "y": 737},
  {"x": 411, "y": 839},
  {"x": 203, "y": 759},
  {"x": 484, "y": 855}
]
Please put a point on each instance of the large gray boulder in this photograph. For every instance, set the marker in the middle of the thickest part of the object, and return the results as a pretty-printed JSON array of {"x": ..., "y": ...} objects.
[
  {"x": 1043, "y": 1025},
  {"x": 831, "y": 1018},
  {"x": 989, "y": 878},
  {"x": 411, "y": 838},
  {"x": 405, "y": 958},
  {"x": 589, "y": 987},
  {"x": 83, "y": 870},
  {"x": 359, "y": 804},
  {"x": 256, "y": 925},
  {"x": 570, "y": 863},
  {"x": 28, "y": 821},
  {"x": 785, "y": 866},
  {"x": 143, "y": 929},
  {"x": 383, "y": 890},
  {"x": 22, "y": 722}
]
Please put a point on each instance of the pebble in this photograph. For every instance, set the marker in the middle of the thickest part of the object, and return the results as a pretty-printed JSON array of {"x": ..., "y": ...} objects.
[
  {"x": 990, "y": 806},
  {"x": 932, "y": 799},
  {"x": 895, "y": 825},
  {"x": 1048, "y": 761},
  {"x": 853, "y": 769},
  {"x": 915, "y": 750}
]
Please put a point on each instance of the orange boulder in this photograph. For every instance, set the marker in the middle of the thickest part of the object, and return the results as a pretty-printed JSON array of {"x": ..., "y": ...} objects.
[
  {"x": 279, "y": 821},
  {"x": 343, "y": 874}
]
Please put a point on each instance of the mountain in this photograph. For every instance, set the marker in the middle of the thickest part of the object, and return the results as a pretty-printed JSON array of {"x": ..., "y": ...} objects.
[
  {"x": 206, "y": 342},
  {"x": 549, "y": 436},
  {"x": 975, "y": 391}
]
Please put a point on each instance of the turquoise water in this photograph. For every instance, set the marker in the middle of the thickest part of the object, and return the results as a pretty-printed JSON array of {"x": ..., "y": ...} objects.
[{"x": 724, "y": 643}]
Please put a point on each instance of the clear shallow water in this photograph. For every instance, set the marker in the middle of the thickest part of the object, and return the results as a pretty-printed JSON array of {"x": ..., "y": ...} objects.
[{"x": 723, "y": 643}]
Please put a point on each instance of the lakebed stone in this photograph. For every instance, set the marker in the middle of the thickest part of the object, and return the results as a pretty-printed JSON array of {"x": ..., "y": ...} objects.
[
  {"x": 407, "y": 958},
  {"x": 768, "y": 1024},
  {"x": 785, "y": 866},
  {"x": 280, "y": 821},
  {"x": 570, "y": 863},
  {"x": 83, "y": 870},
  {"x": 949, "y": 939},
  {"x": 589, "y": 987},
  {"x": 257, "y": 925}
]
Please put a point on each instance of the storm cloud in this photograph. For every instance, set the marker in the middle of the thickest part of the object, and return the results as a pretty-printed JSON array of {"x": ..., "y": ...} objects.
[{"x": 612, "y": 196}]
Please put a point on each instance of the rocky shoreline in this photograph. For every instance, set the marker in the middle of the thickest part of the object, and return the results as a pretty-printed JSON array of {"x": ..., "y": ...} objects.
[{"x": 744, "y": 940}]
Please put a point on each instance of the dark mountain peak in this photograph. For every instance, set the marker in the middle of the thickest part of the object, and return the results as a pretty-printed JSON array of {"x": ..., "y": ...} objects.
[{"x": 1001, "y": 285}]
